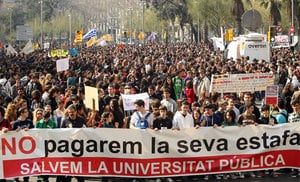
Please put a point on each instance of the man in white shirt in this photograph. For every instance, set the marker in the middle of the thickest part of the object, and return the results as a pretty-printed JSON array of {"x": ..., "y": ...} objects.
[
  {"x": 183, "y": 119},
  {"x": 138, "y": 118}
]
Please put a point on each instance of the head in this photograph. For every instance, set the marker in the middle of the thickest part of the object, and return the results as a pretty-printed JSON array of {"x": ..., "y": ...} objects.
[
  {"x": 38, "y": 114},
  {"x": 248, "y": 97},
  {"x": 23, "y": 112},
  {"x": 163, "y": 111},
  {"x": 229, "y": 115},
  {"x": 139, "y": 104},
  {"x": 113, "y": 104},
  {"x": 185, "y": 106},
  {"x": 249, "y": 107},
  {"x": 151, "y": 89},
  {"x": 166, "y": 93},
  {"x": 208, "y": 109},
  {"x": 295, "y": 102},
  {"x": 46, "y": 116},
  {"x": 196, "y": 114},
  {"x": 195, "y": 106},
  {"x": 265, "y": 110},
  {"x": 111, "y": 89},
  {"x": 72, "y": 111},
  {"x": 48, "y": 108}
]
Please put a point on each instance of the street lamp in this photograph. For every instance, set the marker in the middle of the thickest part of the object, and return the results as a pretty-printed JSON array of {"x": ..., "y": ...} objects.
[
  {"x": 10, "y": 16},
  {"x": 41, "y": 23},
  {"x": 130, "y": 35},
  {"x": 292, "y": 22},
  {"x": 70, "y": 29}
]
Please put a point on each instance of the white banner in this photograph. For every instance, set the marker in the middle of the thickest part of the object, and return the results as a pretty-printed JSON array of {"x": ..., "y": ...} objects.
[
  {"x": 128, "y": 100},
  {"x": 241, "y": 82},
  {"x": 149, "y": 153}
]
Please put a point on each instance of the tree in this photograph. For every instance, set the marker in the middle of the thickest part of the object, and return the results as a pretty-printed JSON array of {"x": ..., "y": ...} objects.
[
  {"x": 274, "y": 6},
  {"x": 237, "y": 12}
]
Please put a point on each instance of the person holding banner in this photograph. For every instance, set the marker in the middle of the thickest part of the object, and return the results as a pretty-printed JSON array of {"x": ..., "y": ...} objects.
[
  {"x": 209, "y": 118},
  {"x": 23, "y": 123},
  {"x": 248, "y": 98},
  {"x": 72, "y": 121},
  {"x": 247, "y": 117},
  {"x": 140, "y": 112},
  {"x": 5, "y": 126},
  {"x": 266, "y": 117},
  {"x": 162, "y": 122},
  {"x": 295, "y": 117},
  {"x": 183, "y": 119},
  {"x": 45, "y": 123}
]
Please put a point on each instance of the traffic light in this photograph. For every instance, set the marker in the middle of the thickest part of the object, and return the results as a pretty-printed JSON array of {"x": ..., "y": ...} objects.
[
  {"x": 292, "y": 30},
  {"x": 230, "y": 34},
  {"x": 272, "y": 33}
]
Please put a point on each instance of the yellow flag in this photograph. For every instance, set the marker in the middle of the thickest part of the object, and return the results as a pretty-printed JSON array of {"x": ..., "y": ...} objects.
[{"x": 91, "y": 42}]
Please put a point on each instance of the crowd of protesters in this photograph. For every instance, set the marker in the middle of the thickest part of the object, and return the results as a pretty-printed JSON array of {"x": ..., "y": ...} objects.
[{"x": 176, "y": 77}]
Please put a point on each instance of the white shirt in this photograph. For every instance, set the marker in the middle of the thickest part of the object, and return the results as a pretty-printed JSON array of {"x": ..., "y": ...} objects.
[
  {"x": 170, "y": 104},
  {"x": 135, "y": 118},
  {"x": 180, "y": 121}
]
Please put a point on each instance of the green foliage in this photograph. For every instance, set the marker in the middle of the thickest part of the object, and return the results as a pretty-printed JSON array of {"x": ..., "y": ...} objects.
[{"x": 158, "y": 15}]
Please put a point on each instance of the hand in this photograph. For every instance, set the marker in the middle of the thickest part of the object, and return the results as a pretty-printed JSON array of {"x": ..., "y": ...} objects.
[{"x": 4, "y": 130}]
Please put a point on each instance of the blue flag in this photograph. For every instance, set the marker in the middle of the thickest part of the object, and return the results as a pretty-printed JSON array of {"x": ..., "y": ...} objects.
[
  {"x": 74, "y": 52},
  {"x": 91, "y": 33}
]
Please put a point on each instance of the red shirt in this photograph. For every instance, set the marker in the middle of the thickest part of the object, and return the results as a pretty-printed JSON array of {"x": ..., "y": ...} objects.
[
  {"x": 190, "y": 95},
  {"x": 5, "y": 124}
]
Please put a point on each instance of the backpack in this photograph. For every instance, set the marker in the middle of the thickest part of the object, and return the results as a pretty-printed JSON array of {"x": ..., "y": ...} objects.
[
  {"x": 142, "y": 123},
  {"x": 285, "y": 116}
]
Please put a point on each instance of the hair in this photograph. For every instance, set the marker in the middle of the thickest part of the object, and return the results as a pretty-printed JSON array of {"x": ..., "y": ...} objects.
[
  {"x": 189, "y": 84},
  {"x": 34, "y": 113},
  {"x": 10, "y": 113},
  {"x": 36, "y": 94},
  {"x": 21, "y": 110},
  {"x": 140, "y": 102},
  {"x": 162, "y": 107},
  {"x": 72, "y": 107},
  {"x": 231, "y": 113},
  {"x": 265, "y": 107},
  {"x": 115, "y": 104},
  {"x": 184, "y": 102},
  {"x": 295, "y": 98}
]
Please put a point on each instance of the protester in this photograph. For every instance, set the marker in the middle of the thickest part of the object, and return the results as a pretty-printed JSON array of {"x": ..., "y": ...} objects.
[
  {"x": 100, "y": 67},
  {"x": 141, "y": 118}
]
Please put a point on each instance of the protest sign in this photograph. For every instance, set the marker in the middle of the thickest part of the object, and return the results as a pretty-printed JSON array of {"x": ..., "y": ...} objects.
[
  {"x": 62, "y": 64},
  {"x": 231, "y": 83},
  {"x": 128, "y": 100}
]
